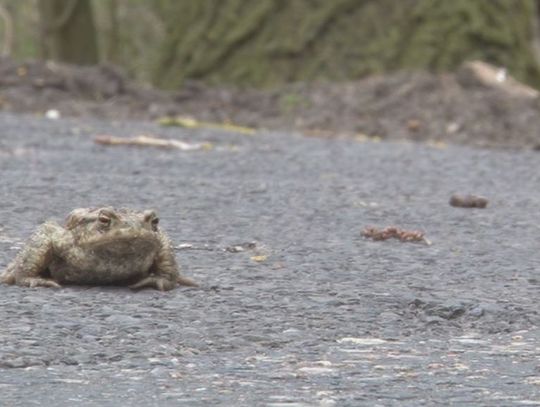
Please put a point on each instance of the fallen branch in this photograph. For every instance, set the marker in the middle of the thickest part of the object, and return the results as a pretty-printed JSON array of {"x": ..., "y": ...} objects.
[
  {"x": 478, "y": 72},
  {"x": 149, "y": 141},
  {"x": 397, "y": 233}
]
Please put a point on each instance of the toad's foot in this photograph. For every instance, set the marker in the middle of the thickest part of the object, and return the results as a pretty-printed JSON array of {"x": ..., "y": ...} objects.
[
  {"x": 38, "y": 282},
  {"x": 159, "y": 283},
  {"x": 186, "y": 281}
]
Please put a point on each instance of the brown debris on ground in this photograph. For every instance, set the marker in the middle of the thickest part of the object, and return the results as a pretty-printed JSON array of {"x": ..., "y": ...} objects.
[
  {"x": 479, "y": 105},
  {"x": 468, "y": 201},
  {"x": 396, "y": 233}
]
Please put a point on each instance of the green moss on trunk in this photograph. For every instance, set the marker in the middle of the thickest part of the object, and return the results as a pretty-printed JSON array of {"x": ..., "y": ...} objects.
[{"x": 267, "y": 42}]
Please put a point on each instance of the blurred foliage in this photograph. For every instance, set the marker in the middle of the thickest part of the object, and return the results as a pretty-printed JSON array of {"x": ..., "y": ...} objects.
[{"x": 267, "y": 42}]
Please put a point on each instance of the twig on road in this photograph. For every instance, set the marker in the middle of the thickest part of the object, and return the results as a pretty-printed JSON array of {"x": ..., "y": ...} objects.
[{"x": 150, "y": 141}]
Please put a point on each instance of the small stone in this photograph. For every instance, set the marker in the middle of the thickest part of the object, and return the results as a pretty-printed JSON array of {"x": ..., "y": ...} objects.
[
  {"x": 159, "y": 371},
  {"x": 52, "y": 114},
  {"x": 362, "y": 341},
  {"x": 20, "y": 362},
  {"x": 477, "y": 311},
  {"x": 388, "y": 316}
]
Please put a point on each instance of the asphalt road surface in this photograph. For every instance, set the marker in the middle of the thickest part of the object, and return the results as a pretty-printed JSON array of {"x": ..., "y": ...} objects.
[{"x": 295, "y": 308}]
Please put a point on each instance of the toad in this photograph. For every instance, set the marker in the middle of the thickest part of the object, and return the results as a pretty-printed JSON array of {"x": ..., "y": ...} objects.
[{"x": 103, "y": 246}]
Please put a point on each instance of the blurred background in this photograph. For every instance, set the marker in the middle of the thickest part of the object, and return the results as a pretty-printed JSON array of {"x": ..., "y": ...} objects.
[
  {"x": 268, "y": 42},
  {"x": 271, "y": 63}
]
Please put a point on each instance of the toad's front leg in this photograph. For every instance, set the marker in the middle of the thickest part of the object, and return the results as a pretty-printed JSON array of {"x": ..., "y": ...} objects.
[
  {"x": 164, "y": 273},
  {"x": 30, "y": 266}
]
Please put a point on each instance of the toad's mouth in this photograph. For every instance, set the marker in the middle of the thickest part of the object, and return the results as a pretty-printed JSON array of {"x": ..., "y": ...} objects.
[{"x": 123, "y": 240}]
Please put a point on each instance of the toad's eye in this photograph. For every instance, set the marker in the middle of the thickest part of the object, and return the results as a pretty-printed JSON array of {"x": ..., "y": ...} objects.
[
  {"x": 151, "y": 217},
  {"x": 104, "y": 220}
]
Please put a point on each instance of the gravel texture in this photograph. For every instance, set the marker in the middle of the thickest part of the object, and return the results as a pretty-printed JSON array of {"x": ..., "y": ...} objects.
[{"x": 296, "y": 308}]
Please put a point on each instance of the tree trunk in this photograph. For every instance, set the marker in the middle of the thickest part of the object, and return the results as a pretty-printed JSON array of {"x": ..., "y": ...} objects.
[
  {"x": 267, "y": 42},
  {"x": 7, "y": 38},
  {"x": 111, "y": 32},
  {"x": 68, "y": 31}
]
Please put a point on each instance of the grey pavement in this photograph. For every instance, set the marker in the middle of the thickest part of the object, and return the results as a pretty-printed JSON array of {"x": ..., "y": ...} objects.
[{"x": 295, "y": 308}]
